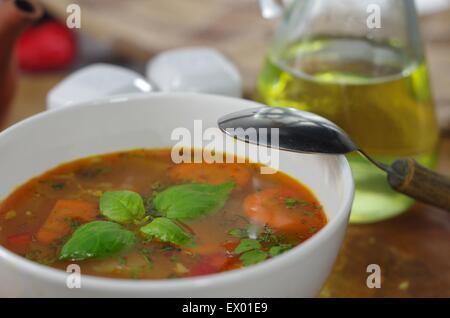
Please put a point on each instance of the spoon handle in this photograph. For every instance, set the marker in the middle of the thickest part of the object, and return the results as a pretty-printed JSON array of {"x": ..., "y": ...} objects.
[{"x": 418, "y": 182}]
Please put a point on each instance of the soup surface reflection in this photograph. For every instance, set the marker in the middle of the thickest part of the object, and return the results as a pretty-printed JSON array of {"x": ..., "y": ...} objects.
[{"x": 136, "y": 214}]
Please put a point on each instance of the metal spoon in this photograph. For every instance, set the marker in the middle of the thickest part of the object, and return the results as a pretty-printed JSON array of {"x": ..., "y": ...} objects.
[{"x": 305, "y": 132}]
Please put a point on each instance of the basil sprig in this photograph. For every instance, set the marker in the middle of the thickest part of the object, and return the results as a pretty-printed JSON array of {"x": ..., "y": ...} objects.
[{"x": 104, "y": 238}]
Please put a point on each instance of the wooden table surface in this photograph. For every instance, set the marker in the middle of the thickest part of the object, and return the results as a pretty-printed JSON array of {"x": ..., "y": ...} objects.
[{"x": 413, "y": 250}]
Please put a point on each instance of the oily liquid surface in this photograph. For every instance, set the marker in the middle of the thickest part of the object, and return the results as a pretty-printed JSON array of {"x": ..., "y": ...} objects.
[
  {"x": 146, "y": 172},
  {"x": 385, "y": 106}
]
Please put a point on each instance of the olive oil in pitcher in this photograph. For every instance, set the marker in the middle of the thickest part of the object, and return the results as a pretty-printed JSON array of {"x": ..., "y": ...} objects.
[{"x": 377, "y": 93}]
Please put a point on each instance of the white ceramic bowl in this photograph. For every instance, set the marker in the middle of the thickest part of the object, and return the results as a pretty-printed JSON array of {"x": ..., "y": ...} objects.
[{"x": 39, "y": 143}]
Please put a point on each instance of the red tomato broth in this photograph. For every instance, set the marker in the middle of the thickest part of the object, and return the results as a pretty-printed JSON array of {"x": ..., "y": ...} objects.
[{"x": 25, "y": 212}]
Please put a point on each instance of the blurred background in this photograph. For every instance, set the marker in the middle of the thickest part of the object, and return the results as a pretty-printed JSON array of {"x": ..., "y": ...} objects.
[
  {"x": 130, "y": 32},
  {"x": 412, "y": 248}
]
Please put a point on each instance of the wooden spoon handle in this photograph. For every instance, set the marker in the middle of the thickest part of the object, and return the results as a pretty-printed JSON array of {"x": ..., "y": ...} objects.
[{"x": 420, "y": 183}]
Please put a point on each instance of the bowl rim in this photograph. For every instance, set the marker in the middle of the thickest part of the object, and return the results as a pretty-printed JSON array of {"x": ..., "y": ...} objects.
[{"x": 57, "y": 276}]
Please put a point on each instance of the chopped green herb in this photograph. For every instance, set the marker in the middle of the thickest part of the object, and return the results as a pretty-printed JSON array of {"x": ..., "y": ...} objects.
[
  {"x": 146, "y": 251},
  {"x": 312, "y": 229},
  {"x": 279, "y": 249},
  {"x": 92, "y": 172},
  {"x": 239, "y": 233},
  {"x": 253, "y": 257},
  {"x": 56, "y": 244},
  {"x": 148, "y": 261},
  {"x": 149, "y": 209},
  {"x": 57, "y": 185},
  {"x": 122, "y": 261},
  {"x": 170, "y": 248},
  {"x": 247, "y": 245},
  {"x": 293, "y": 202},
  {"x": 156, "y": 186},
  {"x": 40, "y": 257},
  {"x": 268, "y": 236},
  {"x": 74, "y": 224},
  {"x": 290, "y": 202}
]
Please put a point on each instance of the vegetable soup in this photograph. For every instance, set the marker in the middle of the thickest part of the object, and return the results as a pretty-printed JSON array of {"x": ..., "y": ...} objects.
[{"x": 136, "y": 214}]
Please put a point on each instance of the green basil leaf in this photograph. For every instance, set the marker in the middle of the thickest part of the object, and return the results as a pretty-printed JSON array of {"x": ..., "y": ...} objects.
[
  {"x": 247, "y": 245},
  {"x": 97, "y": 239},
  {"x": 122, "y": 206},
  {"x": 253, "y": 257},
  {"x": 166, "y": 230},
  {"x": 188, "y": 201},
  {"x": 279, "y": 249},
  {"x": 238, "y": 233}
]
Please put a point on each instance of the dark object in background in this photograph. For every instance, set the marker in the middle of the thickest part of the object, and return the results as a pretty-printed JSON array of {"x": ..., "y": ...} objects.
[
  {"x": 15, "y": 16},
  {"x": 25, "y": 6},
  {"x": 46, "y": 46}
]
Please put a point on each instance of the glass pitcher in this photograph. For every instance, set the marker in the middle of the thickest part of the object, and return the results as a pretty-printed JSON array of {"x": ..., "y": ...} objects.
[{"x": 360, "y": 64}]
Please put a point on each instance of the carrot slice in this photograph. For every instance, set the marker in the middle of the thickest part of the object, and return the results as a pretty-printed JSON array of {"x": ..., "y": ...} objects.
[
  {"x": 57, "y": 225},
  {"x": 274, "y": 207},
  {"x": 214, "y": 173}
]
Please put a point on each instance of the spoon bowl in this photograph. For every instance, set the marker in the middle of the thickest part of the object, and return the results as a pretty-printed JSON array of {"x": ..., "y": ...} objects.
[{"x": 299, "y": 131}]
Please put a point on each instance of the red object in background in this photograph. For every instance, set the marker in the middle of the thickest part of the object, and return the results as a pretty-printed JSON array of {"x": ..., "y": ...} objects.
[{"x": 46, "y": 46}]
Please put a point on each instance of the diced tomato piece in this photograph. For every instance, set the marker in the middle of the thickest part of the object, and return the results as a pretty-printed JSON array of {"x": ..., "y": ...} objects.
[
  {"x": 211, "y": 264},
  {"x": 230, "y": 245},
  {"x": 19, "y": 242},
  {"x": 203, "y": 268}
]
